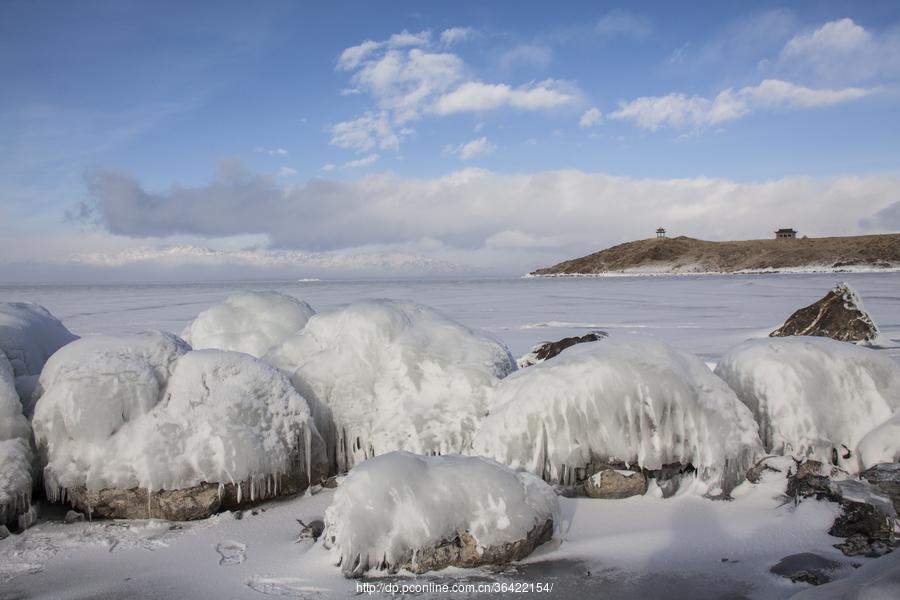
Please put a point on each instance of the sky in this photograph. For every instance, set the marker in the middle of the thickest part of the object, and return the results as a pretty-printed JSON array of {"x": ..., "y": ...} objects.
[{"x": 173, "y": 140}]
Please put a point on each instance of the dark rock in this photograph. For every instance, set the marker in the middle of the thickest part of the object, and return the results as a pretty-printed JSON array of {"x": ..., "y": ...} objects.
[
  {"x": 463, "y": 551},
  {"x": 312, "y": 531},
  {"x": 859, "y": 545},
  {"x": 806, "y": 567},
  {"x": 615, "y": 483},
  {"x": 869, "y": 531},
  {"x": 839, "y": 315},
  {"x": 73, "y": 516},
  {"x": 547, "y": 350},
  {"x": 886, "y": 478}
]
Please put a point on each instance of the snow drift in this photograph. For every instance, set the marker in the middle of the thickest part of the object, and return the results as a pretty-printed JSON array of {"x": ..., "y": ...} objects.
[
  {"x": 813, "y": 396},
  {"x": 15, "y": 449},
  {"x": 29, "y": 334},
  {"x": 251, "y": 322},
  {"x": 143, "y": 411},
  {"x": 629, "y": 399},
  {"x": 881, "y": 445},
  {"x": 384, "y": 375},
  {"x": 399, "y": 510}
]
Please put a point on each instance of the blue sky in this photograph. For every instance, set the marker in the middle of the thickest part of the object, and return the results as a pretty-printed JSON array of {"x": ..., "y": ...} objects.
[{"x": 361, "y": 137}]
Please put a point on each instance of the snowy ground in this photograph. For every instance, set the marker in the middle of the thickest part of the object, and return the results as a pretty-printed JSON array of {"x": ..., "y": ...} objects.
[{"x": 644, "y": 547}]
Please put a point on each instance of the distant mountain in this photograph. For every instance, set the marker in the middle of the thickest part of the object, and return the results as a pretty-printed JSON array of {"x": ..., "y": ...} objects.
[{"x": 689, "y": 255}]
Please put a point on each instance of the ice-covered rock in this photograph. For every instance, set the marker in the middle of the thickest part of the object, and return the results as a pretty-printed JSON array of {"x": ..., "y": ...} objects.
[
  {"x": 29, "y": 335},
  {"x": 250, "y": 322},
  {"x": 15, "y": 449},
  {"x": 882, "y": 444},
  {"x": 139, "y": 424},
  {"x": 628, "y": 399},
  {"x": 813, "y": 396},
  {"x": 384, "y": 375},
  {"x": 547, "y": 350},
  {"x": 839, "y": 315},
  {"x": 875, "y": 580},
  {"x": 424, "y": 513},
  {"x": 612, "y": 483}
]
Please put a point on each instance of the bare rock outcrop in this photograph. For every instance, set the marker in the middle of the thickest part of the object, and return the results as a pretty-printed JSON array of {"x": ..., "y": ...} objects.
[
  {"x": 839, "y": 315},
  {"x": 547, "y": 350},
  {"x": 615, "y": 483}
]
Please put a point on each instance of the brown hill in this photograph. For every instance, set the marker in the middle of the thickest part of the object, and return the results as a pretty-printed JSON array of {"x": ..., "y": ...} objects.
[{"x": 689, "y": 255}]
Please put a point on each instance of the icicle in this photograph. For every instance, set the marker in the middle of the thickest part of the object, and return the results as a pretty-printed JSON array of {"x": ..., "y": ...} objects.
[{"x": 307, "y": 438}]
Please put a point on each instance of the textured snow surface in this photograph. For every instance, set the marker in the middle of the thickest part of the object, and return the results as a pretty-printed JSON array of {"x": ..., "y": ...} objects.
[
  {"x": 813, "y": 396},
  {"x": 393, "y": 505},
  {"x": 877, "y": 580},
  {"x": 384, "y": 375},
  {"x": 15, "y": 448},
  {"x": 630, "y": 399},
  {"x": 881, "y": 445},
  {"x": 143, "y": 410},
  {"x": 251, "y": 322}
]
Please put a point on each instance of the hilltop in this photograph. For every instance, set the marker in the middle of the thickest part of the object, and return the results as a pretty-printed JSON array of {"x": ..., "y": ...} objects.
[{"x": 689, "y": 255}]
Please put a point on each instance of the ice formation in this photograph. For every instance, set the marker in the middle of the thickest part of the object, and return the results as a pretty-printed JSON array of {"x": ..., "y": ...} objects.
[
  {"x": 251, "y": 322},
  {"x": 397, "y": 506},
  {"x": 881, "y": 445},
  {"x": 813, "y": 396},
  {"x": 629, "y": 399},
  {"x": 144, "y": 411},
  {"x": 29, "y": 334},
  {"x": 15, "y": 449},
  {"x": 385, "y": 375}
]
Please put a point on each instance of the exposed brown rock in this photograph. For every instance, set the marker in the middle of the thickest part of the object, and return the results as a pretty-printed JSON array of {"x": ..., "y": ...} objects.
[
  {"x": 688, "y": 255},
  {"x": 886, "y": 478},
  {"x": 615, "y": 483},
  {"x": 463, "y": 551},
  {"x": 547, "y": 350},
  {"x": 839, "y": 315}
]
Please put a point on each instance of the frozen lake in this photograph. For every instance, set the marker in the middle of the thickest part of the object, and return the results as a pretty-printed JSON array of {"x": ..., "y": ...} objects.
[
  {"x": 703, "y": 314},
  {"x": 682, "y": 547}
]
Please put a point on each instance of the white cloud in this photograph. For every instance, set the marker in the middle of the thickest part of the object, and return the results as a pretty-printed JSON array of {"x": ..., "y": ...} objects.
[
  {"x": 529, "y": 55},
  {"x": 409, "y": 76},
  {"x": 364, "y": 133},
  {"x": 679, "y": 111},
  {"x": 591, "y": 118},
  {"x": 474, "y": 149},
  {"x": 454, "y": 35},
  {"x": 475, "y": 96},
  {"x": 620, "y": 23},
  {"x": 842, "y": 51},
  {"x": 286, "y": 172},
  {"x": 581, "y": 211},
  {"x": 271, "y": 151},
  {"x": 362, "y": 162},
  {"x": 328, "y": 167}
]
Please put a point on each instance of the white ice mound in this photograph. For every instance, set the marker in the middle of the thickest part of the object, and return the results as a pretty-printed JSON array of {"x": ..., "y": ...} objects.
[
  {"x": 629, "y": 399},
  {"x": 15, "y": 449},
  {"x": 251, "y": 322},
  {"x": 881, "y": 445},
  {"x": 384, "y": 375},
  {"x": 142, "y": 411},
  {"x": 813, "y": 396},
  {"x": 29, "y": 334},
  {"x": 397, "y": 510}
]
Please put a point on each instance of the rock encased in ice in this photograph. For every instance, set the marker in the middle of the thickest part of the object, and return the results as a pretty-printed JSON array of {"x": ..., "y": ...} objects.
[
  {"x": 812, "y": 396},
  {"x": 29, "y": 335},
  {"x": 839, "y": 315},
  {"x": 547, "y": 350},
  {"x": 15, "y": 449},
  {"x": 631, "y": 400},
  {"x": 384, "y": 375},
  {"x": 250, "y": 322},
  {"x": 424, "y": 513},
  {"x": 139, "y": 425}
]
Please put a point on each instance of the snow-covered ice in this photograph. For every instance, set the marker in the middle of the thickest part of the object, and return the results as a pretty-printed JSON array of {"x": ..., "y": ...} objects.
[
  {"x": 813, "y": 396},
  {"x": 145, "y": 411},
  {"x": 881, "y": 445},
  {"x": 384, "y": 375},
  {"x": 630, "y": 399},
  {"x": 29, "y": 334},
  {"x": 392, "y": 508},
  {"x": 15, "y": 449},
  {"x": 251, "y": 322}
]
